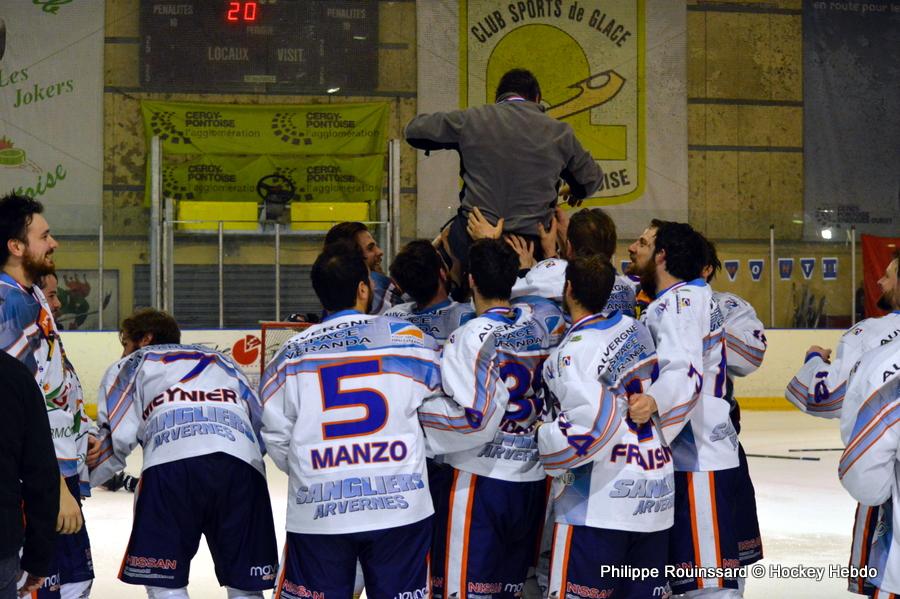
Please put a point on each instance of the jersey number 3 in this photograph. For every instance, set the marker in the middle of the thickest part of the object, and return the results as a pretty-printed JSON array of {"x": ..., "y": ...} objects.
[{"x": 333, "y": 398}]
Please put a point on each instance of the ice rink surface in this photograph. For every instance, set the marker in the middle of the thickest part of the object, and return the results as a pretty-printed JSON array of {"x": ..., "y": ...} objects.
[{"x": 805, "y": 515}]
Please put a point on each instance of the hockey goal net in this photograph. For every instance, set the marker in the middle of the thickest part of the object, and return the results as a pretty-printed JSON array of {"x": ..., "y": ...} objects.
[{"x": 272, "y": 336}]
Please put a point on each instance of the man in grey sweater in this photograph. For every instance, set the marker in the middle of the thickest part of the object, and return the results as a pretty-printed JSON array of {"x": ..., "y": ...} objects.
[{"x": 512, "y": 157}]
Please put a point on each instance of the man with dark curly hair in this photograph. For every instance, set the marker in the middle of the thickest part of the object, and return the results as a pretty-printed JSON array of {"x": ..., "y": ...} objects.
[{"x": 687, "y": 403}]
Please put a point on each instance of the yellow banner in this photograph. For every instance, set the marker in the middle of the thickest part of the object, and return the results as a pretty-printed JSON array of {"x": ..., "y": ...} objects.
[
  {"x": 589, "y": 58},
  {"x": 308, "y": 129}
]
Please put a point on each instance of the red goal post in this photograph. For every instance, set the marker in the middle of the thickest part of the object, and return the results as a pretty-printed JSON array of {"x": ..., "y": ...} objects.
[{"x": 272, "y": 336}]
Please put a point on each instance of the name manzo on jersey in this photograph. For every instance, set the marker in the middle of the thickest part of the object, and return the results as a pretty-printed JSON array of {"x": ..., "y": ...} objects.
[{"x": 343, "y": 401}]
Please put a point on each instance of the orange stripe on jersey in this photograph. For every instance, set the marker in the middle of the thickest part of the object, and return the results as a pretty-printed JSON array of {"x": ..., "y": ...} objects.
[
  {"x": 864, "y": 550},
  {"x": 449, "y": 527},
  {"x": 564, "y": 580},
  {"x": 467, "y": 527},
  {"x": 552, "y": 551},
  {"x": 715, "y": 521},
  {"x": 692, "y": 506},
  {"x": 284, "y": 562}
]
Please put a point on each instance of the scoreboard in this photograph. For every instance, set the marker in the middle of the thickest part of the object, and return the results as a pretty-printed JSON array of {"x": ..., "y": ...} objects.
[{"x": 286, "y": 46}]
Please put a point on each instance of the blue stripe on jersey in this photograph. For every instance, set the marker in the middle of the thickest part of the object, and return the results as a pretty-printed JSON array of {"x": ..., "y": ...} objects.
[
  {"x": 583, "y": 446},
  {"x": 821, "y": 400},
  {"x": 864, "y": 435},
  {"x": 711, "y": 341},
  {"x": 486, "y": 374},
  {"x": 684, "y": 451},
  {"x": 571, "y": 505},
  {"x": 168, "y": 354},
  {"x": 470, "y": 422},
  {"x": 601, "y": 323},
  {"x": 678, "y": 413},
  {"x": 751, "y": 354},
  {"x": 421, "y": 370}
]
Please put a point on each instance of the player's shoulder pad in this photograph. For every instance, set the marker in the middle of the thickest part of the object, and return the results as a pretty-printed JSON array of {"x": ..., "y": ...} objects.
[
  {"x": 860, "y": 328},
  {"x": 550, "y": 264},
  {"x": 401, "y": 310},
  {"x": 472, "y": 333}
]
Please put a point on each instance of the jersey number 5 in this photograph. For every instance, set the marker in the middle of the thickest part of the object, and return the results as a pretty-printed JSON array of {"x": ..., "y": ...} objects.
[{"x": 333, "y": 398}]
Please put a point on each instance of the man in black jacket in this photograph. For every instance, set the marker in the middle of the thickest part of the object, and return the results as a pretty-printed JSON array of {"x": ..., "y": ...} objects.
[
  {"x": 512, "y": 157},
  {"x": 29, "y": 481}
]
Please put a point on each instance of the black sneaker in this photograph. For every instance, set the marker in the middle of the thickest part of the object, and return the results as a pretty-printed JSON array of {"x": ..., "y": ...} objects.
[
  {"x": 130, "y": 482},
  {"x": 116, "y": 482}
]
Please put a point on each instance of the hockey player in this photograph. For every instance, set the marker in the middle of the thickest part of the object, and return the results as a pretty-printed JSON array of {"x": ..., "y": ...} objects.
[
  {"x": 745, "y": 347},
  {"x": 869, "y": 466},
  {"x": 689, "y": 396},
  {"x": 614, "y": 487},
  {"x": 819, "y": 387},
  {"x": 86, "y": 430},
  {"x": 421, "y": 274},
  {"x": 486, "y": 540},
  {"x": 197, "y": 420},
  {"x": 341, "y": 406},
  {"x": 385, "y": 293},
  {"x": 589, "y": 231},
  {"x": 28, "y": 332},
  {"x": 144, "y": 327}
]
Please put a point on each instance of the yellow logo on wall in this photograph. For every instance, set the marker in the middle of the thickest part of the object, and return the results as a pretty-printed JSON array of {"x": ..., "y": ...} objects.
[{"x": 589, "y": 59}]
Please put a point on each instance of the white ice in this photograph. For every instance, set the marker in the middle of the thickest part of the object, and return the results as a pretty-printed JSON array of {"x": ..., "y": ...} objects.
[{"x": 805, "y": 514}]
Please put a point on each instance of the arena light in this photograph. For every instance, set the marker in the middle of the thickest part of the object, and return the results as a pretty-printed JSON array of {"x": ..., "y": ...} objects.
[
  {"x": 826, "y": 234},
  {"x": 332, "y": 90}
]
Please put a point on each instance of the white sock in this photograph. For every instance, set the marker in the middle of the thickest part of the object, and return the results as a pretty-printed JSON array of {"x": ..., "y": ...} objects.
[
  {"x": 161, "y": 593},
  {"x": 239, "y": 594},
  {"x": 76, "y": 590}
]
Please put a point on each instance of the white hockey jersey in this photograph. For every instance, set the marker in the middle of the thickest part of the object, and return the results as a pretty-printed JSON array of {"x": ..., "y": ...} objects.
[
  {"x": 870, "y": 468},
  {"x": 522, "y": 338},
  {"x": 819, "y": 387},
  {"x": 439, "y": 320},
  {"x": 341, "y": 401},
  {"x": 178, "y": 402},
  {"x": 745, "y": 335},
  {"x": 608, "y": 472},
  {"x": 548, "y": 277},
  {"x": 29, "y": 334},
  {"x": 687, "y": 327}
]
